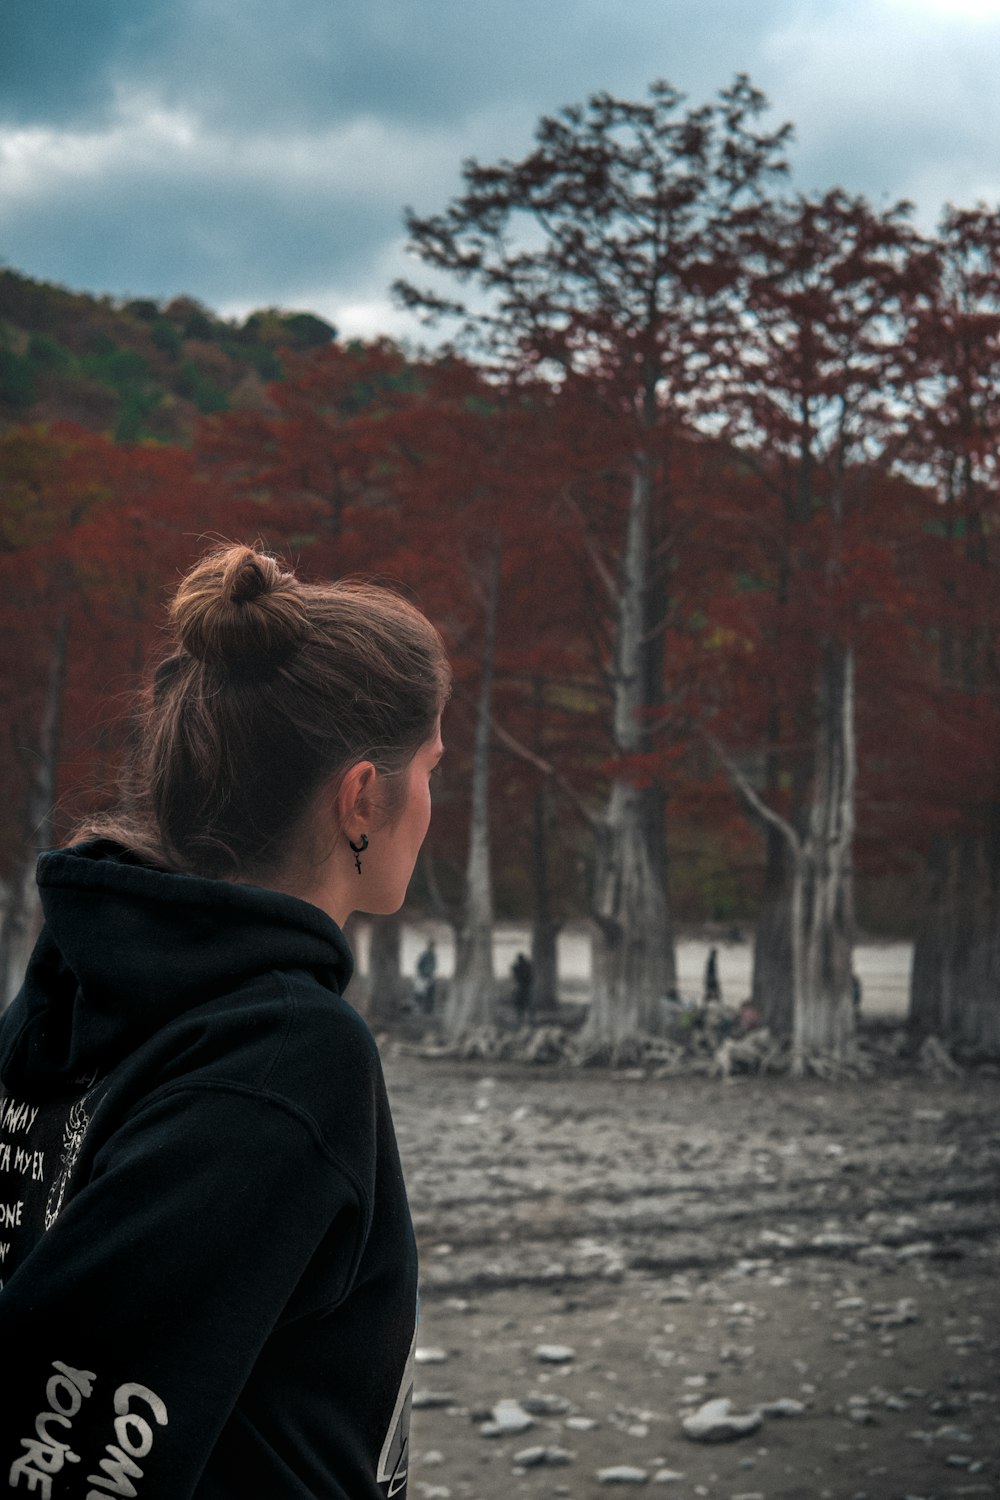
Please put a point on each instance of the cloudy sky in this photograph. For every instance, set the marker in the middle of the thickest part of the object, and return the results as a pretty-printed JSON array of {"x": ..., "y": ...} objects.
[{"x": 260, "y": 152}]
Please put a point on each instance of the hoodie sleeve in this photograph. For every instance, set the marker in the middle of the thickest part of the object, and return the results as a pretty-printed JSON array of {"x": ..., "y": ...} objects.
[{"x": 212, "y": 1216}]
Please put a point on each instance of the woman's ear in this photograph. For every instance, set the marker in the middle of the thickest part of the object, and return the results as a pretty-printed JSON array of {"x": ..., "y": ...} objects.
[{"x": 355, "y": 803}]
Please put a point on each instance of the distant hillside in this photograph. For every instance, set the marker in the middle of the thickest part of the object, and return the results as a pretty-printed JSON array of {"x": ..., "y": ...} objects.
[{"x": 135, "y": 369}]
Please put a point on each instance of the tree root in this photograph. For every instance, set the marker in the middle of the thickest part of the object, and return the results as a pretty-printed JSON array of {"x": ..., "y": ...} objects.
[{"x": 692, "y": 1054}]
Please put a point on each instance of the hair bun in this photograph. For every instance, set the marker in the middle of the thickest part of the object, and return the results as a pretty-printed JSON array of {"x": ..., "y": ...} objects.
[
  {"x": 239, "y": 609},
  {"x": 252, "y": 577}
]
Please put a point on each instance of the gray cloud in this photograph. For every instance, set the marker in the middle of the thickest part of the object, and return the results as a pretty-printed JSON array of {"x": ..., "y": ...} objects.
[
  {"x": 252, "y": 151},
  {"x": 305, "y": 63}
]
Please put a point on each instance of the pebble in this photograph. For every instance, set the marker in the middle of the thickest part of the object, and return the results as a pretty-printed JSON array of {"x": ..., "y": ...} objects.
[
  {"x": 668, "y": 1476},
  {"x": 581, "y": 1424},
  {"x": 427, "y": 1400},
  {"x": 554, "y": 1354},
  {"x": 430, "y": 1356},
  {"x": 785, "y": 1406},
  {"x": 716, "y": 1422},
  {"x": 836, "y": 1240},
  {"x": 539, "y": 1457},
  {"x": 622, "y": 1474},
  {"x": 546, "y": 1406},
  {"x": 896, "y": 1315},
  {"x": 509, "y": 1418}
]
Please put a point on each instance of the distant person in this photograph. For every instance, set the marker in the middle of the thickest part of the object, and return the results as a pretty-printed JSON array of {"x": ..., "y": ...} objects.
[
  {"x": 856, "y": 997},
  {"x": 211, "y": 1285},
  {"x": 750, "y": 1018},
  {"x": 522, "y": 972},
  {"x": 712, "y": 989},
  {"x": 426, "y": 978}
]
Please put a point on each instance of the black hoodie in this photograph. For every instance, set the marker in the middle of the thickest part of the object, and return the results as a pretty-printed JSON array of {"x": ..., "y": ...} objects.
[{"x": 208, "y": 1266}]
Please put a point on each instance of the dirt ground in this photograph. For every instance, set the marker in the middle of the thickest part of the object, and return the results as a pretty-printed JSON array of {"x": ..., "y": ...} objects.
[{"x": 834, "y": 1246}]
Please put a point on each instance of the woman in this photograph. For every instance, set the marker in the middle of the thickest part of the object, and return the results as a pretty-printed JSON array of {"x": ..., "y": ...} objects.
[{"x": 208, "y": 1261}]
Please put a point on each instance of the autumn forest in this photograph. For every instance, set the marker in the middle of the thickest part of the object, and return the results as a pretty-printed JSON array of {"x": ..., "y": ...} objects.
[{"x": 700, "y": 481}]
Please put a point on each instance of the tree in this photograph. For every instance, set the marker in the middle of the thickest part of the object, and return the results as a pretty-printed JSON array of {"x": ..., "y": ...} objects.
[
  {"x": 604, "y": 256},
  {"x": 317, "y": 464},
  {"x": 953, "y": 443},
  {"x": 475, "y": 517},
  {"x": 91, "y": 533},
  {"x": 813, "y": 397}
]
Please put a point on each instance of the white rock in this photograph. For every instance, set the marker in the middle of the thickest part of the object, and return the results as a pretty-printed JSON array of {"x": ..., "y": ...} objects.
[
  {"x": 667, "y": 1476},
  {"x": 835, "y": 1240},
  {"x": 434, "y": 1457},
  {"x": 509, "y": 1418},
  {"x": 554, "y": 1354},
  {"x": 426, "y": 1400},
  {"x": 622, "y": 1474},
  {"x": 430, "y": 1356},
  {"x": 785, "y": 1406},
  {"x": 716, "y": 1422},
  {"x": 539, "y": 1457},
  {"x": 581, "y": 1424},
  {"x": 897, "y": 1316},
  {"x": 545, "y": 1405}
]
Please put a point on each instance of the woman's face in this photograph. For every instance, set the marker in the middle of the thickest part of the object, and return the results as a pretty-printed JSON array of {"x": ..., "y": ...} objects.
[{"x": 387, "y": 864}]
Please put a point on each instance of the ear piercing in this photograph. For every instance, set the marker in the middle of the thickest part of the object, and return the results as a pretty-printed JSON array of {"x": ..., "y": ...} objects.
[{"x": 359, "y": 849}]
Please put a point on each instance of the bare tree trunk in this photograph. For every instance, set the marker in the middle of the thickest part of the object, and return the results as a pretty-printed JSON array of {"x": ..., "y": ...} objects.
[
  {"x": 472, "y": 993},
  {"x": 633, "y": 958},
  {"x": 932, "y": 949},
  {"x": 955, "y": 986},
  {"x": 975, "y": 1024},
  {"x": 771, "y": 992},
  {"x": 824, "y": 1020},
  {"x": 544, "y": 928},
  {"x": 773, "y": 984},
  {"x": 386, "y": 985},
  {"x": 22, "y": 910},
  {"x": 820, "y": 905}
]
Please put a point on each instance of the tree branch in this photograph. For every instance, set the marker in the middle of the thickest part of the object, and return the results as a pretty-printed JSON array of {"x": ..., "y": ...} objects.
[
  {"x": 547, "y": 769},
  {"x": 755, "y": 804}
]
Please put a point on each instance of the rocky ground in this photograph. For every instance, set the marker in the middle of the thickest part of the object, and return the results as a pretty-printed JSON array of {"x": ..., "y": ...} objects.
[{"x": 605, "y": 1254}]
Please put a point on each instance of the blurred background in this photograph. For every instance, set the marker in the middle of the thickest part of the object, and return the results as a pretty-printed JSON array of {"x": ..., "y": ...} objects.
[{"x": 672, "y": 403}]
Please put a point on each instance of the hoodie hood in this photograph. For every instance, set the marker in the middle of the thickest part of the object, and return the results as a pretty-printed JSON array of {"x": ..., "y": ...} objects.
[{"x": 126, "y": 948}]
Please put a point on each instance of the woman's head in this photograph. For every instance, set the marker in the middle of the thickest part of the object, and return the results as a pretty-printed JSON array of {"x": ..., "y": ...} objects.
[{"x": 286, "y": 712}]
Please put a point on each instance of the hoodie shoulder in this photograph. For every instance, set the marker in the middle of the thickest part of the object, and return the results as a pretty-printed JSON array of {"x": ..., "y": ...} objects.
[{"x": 128, "y": 952}]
